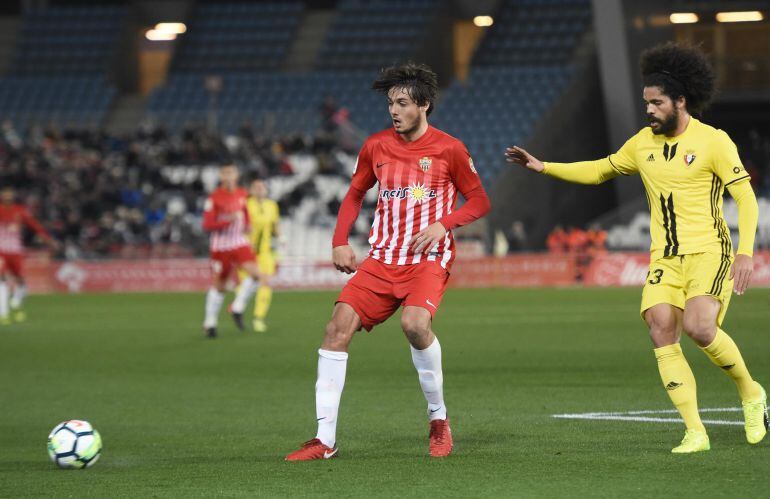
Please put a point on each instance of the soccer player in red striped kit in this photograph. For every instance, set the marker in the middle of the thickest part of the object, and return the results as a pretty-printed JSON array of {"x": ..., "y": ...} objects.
[
  {"x": 419, "y": 170},
  {"x": 13, "y": 218},
  {"x": 226, "y": 219}
]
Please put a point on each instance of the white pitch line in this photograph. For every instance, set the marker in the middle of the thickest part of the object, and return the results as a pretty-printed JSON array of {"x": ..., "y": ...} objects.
[{"x": 636, "y": 416}]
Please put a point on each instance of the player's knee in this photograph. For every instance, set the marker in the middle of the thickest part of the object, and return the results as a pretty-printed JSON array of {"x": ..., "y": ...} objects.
[
  {"x": 415, "y": 328},
  {"x": 337, "y": 335},
  {"x": 700, "y": 328},
  {"x": 663, "y": 329}
]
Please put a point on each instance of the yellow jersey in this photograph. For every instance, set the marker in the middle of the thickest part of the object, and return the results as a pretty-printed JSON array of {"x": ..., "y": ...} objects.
[
  {"x": 264, "y": 217},
  {"x": 684, "y": 178}
]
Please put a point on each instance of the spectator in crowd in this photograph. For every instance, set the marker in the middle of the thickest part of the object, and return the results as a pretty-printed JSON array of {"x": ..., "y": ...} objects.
[
  {"x": 558, "y": 240},
  {"x": 597, "y": 239},
  {"x": 110, "y": 196},
  {"x": 517, "y": 237}
]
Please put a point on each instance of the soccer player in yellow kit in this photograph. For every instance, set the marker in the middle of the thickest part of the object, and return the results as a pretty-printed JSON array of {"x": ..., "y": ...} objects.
[
  {"x": 264, "y": 217},
  {"x": 685, "y": 166}
]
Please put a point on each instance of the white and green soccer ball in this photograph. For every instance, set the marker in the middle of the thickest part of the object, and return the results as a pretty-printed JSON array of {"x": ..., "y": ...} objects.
[{"x": 74, "y": 444}]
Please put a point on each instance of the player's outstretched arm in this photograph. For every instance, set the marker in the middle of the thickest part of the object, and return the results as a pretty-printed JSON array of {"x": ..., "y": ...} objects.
[
  {"x": 748, "y": 218},
  {"x": 519, "y": 156},
  {"x": 582, "y": 172}
]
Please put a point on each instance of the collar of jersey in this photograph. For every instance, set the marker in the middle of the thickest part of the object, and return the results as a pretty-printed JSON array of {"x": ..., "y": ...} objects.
[{"x": 416, "y": 143}]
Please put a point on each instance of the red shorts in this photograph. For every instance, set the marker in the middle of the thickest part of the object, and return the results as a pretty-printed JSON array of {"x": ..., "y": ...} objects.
[
  {"x": 11, "y": 262},
  {"x": 378, "y": 289},
  {"x": 224, "y": 262}
]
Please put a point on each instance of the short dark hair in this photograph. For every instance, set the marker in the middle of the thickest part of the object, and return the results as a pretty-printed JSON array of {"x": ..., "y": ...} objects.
[
  {"x": 419, "y": 81},
  {"x": 680, "y": 71}
]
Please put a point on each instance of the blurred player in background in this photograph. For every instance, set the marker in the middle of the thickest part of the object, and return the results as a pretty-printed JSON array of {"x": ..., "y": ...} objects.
[
  {"x": 419, "y": 170},
  {"x": 13, "y": 218},
  {"x": 685, "y": 166},
  {"x": 264, "y": 217},
  {"x": 226, "y": 218}
]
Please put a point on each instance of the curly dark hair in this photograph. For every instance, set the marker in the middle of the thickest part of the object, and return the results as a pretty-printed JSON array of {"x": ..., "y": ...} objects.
[
  {"x": 680, "y": 71},
  {"x": 419, "y": 81}
]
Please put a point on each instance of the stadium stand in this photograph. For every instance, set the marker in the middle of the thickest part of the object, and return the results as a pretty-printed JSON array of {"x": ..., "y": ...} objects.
[
  {"x": 499, "y": 106},
  {"x": 282, "y": 103},
  {"x": 58, "y": 72},
  {"x": 247, "y": 53},
  {"x": 519, "y": 70},
  {"x": 376, "y": 34},
  {"x": 299, "y": 130},
  {"x": 239, "y": 36}
]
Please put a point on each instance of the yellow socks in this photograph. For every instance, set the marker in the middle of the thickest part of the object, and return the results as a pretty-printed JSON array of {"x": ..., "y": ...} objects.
[
  {"x": 680, "y": 384},
  {"x": 724, "y": 353},
  {"x": 262, "y": 302}
]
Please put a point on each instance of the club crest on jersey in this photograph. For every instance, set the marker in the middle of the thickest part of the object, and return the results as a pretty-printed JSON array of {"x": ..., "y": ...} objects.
[
  {"x": 425, "y": 163},
  {"x": 418, "y": 192},
  {"x": 689, "y": 158}
]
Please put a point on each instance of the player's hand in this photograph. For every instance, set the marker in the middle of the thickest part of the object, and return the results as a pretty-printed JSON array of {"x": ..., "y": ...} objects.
[
  {"x": 344, "y": 259},
  {"x": 741, "y": 272},
  {"x": 521, "y": 157},
  {"x": 427, "y": 238}
]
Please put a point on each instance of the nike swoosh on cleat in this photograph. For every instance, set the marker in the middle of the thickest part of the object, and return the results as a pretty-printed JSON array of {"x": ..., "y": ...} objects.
[{"x": 328, "y": 455}]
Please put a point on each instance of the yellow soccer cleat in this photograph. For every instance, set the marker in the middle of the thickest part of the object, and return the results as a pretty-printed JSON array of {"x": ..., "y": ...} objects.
[
  {"x": 19, "y": 315},
  {"x": 755, "y": 417},
  {"x": 5, "y": 321},
  {"x": 693, "y": 441},
  {"x": 259, "y": 326}
]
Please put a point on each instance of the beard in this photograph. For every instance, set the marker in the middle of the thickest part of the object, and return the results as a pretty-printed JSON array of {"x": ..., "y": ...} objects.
[
  {"x": 415, "y": 125},
  {"x": 668, "y": 125}
]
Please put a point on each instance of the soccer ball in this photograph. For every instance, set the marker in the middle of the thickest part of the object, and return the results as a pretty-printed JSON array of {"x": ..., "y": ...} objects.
[{"x": 74, "y": 444}]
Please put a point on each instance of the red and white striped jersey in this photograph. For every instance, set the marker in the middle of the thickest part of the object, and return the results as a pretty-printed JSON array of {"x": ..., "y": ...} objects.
[
  {"x": 13, "y": 217},
  {"x": 418, "y": 185},
  {"x": 226, "y": 218}
]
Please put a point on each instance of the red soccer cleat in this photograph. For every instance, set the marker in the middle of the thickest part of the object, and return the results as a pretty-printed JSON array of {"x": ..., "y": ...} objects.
[
  {"x": 440, "y": 438},
  {"x": 313, "y": 449}
]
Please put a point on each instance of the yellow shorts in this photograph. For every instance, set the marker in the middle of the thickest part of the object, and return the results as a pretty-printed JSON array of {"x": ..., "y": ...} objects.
[{"x": 675, "y": 279}]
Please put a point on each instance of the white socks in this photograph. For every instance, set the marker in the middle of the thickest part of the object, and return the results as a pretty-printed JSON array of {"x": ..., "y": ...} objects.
[
  {"x": 328, "y": 391},
  {"x": 245, "y": 291},
  {"x": 214, "y": 301},
  {"x": 19, "y": 292},
  {"x": 3, "y": 299},
  {"x": 428, "y": 365}
]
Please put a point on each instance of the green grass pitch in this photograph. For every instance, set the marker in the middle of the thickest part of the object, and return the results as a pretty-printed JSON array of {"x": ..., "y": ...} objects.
[{"x": 182, "y": 416}]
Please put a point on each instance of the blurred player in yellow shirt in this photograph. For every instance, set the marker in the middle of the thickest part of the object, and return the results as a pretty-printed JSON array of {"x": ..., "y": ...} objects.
[{"x": 264, "y": 217}]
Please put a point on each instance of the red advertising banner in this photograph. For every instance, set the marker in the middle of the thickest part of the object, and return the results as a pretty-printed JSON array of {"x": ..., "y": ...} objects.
[
  {"x": 630, "y": 269},
  {"x": 514, "y": 271},
  {"x": 191, "y": 274}
]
